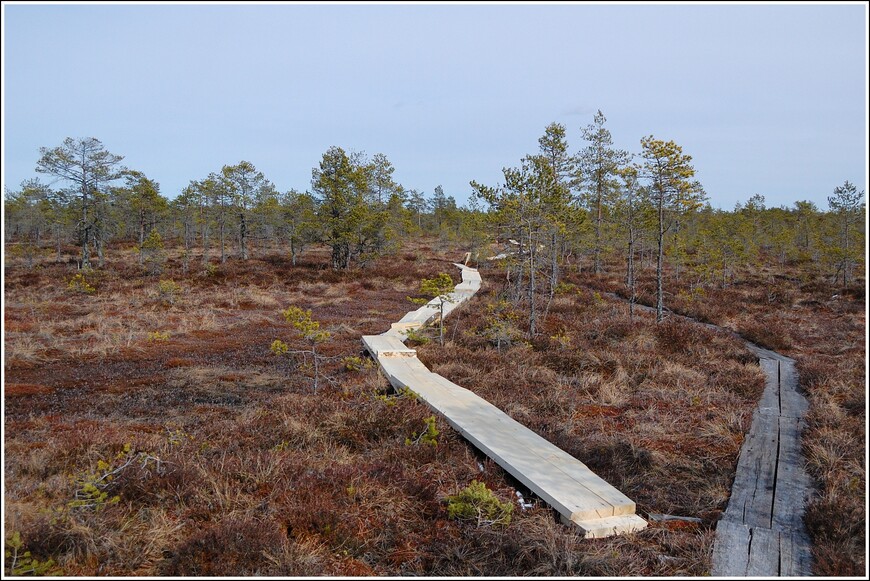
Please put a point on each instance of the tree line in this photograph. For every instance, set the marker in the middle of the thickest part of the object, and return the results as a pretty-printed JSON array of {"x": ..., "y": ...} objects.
[
  {"x": 354, "y": 206},
  {"x": 557, "y": 209},
  {"x": 649, "y": 210}
]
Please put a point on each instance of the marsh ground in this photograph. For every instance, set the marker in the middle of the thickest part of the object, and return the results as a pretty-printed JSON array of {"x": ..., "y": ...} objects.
[{"x": 224, "y": 461}]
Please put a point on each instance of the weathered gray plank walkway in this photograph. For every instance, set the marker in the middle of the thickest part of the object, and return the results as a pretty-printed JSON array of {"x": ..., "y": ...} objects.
[
  {"x": 762, "y": 531},
  {"x": 578, "y": 495}
]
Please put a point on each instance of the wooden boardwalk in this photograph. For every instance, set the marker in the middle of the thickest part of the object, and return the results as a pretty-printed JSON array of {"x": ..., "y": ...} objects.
[
  {"x": 762, "y": 533},
  {"x": 578, "y": 495}
]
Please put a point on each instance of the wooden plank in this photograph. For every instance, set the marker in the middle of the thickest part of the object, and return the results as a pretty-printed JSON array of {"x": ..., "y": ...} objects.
[
  {"x": 793, "y": 403},
  {"x": 730, "y": 549},
  {"x": 572, "y": 483},
  {"x": 795, "y": 554},
  {"x": 380, "y": 344},
  {"x": 769, "y": 402},
  {"x": 767, "y": 481},
  {"x": 481, "y": 423},
  {"x": 771, "y": 486},
  {"x": 763, "y": 553},
  {"x": 564, "y": 494},
  {"x": 581, "y": 474},
  {"x": 792, "y": 482},
  {"x": 512, "y": 442},
  {"x": 447, "y": 384},
  {"x": 561, "y": 480},
  {"x": 754, "y": 482},
  {"x": 610, "y": 526},
  {"x": 494, "y": 426}
]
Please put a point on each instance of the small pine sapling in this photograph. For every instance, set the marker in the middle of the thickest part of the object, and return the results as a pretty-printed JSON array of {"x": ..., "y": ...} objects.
[
  {"x": 356, "y": 364},
  {"x": 439, "y": 288},
  {"x": 153, "y": 253},
  {"x": 79, "y": 284},
  {"x": 168, "y": 291},
  {"x": 501, "y": 324},
  {"x": 429, "y": 435},
  {"x": 310, "y": 331}
]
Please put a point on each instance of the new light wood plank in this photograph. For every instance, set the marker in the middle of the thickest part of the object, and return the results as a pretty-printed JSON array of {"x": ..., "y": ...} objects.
[{"x": 577, "y": 493}]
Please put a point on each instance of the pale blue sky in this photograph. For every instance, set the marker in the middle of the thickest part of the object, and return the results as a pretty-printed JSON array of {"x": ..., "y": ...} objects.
[{"x": 768, "y": 99}]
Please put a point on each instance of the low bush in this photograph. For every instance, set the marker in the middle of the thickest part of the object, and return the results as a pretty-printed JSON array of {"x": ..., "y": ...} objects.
[
  {"x": 168, "y": 291},
  {"x": 79, "y": 284},
  {"x": 477, "y": 503},
  {"x": 429, "y": 435},
  {"x": 20, "y": 562}
]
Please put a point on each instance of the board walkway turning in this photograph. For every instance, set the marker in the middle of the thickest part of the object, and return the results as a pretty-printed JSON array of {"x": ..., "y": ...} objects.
[{"x": 566, "y": 484}]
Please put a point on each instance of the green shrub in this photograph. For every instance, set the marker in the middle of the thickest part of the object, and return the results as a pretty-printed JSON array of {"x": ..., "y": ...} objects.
[
  {"x": 355, "y": 363},
  {"x": 416, "y": 336},
  {"x": 562, "y": 338},
  {"x": 597, "y": 299},
  {"x": 565, "y": 288},
  {"x": 391, "y": 400},
  {"x": 279, "y": 347},
  {"x": 153, "y": 253},
  {"x": 477, "y": 502},
  {"x": 429, "y": 435},
  {"x": 19, "y": 562},
  {"x": 158, "y": 336},
  {"x": 168, "y": 291},
  {"x": 501, "y": 324},
  {"x": 309, "y": 330},
  {"x": 93, "y": 488},
  {"x": 177, "y": 437},
  {"x": 79, "y": 284}
]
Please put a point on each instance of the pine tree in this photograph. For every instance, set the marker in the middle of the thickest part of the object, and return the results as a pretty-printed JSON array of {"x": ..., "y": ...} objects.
[{"x": 671, "y": 192}]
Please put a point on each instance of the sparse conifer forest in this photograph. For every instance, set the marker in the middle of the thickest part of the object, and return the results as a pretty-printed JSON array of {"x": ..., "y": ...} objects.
[{"x": 186, "y": 393}]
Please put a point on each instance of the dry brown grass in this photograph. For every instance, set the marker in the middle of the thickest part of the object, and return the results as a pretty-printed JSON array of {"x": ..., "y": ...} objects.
[
  {"x": 261, "y": 477},
  {"x": 797, "y": 311},
  {"x": 658, "y": 411}
]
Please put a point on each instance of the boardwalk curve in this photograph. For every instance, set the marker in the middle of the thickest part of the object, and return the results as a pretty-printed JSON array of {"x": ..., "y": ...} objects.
[{"x": 580, "y": 496}]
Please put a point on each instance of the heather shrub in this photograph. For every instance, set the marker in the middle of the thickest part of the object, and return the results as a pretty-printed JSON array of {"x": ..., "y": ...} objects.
[
  {"x": 235, "y": 544},
  {"x": 767, "y": 332}
]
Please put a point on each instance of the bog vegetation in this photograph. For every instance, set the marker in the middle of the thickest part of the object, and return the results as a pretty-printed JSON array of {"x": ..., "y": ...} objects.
[{"x": 185, "y": 392}]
